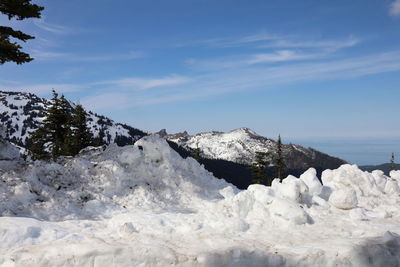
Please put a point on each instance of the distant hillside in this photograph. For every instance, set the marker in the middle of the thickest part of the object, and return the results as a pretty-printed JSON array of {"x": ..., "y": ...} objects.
[
  {"x": 240, "y": 146},
  {"x": 386, "y": 167},
  {"x": 21, "y": 114},
  {"x": 226, "y": 155},
  {"x": 236, "y": 173}
]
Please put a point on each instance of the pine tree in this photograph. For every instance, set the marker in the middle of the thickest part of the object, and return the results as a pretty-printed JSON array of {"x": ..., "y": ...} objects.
[
  {"x": 20, "y": 9},
  {"x": 280, "y": 164},
  {"x": 37, "y": 144},
  {"x": 58, "y": 123},
  {"x": 392, "y": 163},
  {"x": 259, "y": 167},
  {"x": 49, "y": 139},
  {"x": 78, "y": 136}
]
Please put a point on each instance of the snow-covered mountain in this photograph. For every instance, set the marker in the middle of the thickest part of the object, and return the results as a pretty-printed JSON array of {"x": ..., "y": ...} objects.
[
  {"x": 21, "y": 114},
  {"x": 240, "y": 146}
]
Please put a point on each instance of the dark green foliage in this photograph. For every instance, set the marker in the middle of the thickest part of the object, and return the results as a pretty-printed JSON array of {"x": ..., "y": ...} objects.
[
  {"x": 280, "y": 163},
  {"x": 20, "y": 9},
  {"x": 259, "y": 167},
  {"x": 57, "y": 124},
  {"x": 238, "y": 174},
  {"x": 392, "y": 163},
  {"x": 37, "y": 144},
  {"x": 78, "y": 136},
  {"x": 49, "y": 139},
  {"x": 60, "y": 134}
]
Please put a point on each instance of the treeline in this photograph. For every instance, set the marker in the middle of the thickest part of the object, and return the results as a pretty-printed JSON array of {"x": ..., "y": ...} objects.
[
  {"x": 263, "y": 170},
  {"x": 63, "y": 132}
]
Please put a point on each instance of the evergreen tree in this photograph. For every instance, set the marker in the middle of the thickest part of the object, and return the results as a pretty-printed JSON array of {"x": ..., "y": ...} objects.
[
  {"x": 58, "y": 123},
  {"x": 259, "y": 167},
  {"x": 392, "y": 163},
  {"x": 49, "y": 139},
  {"x": 20, "y": 9},
  {"x": 280, "y": 164},
  {"x": 37, "y": 144},
  {"x": 78, "y": 136}
]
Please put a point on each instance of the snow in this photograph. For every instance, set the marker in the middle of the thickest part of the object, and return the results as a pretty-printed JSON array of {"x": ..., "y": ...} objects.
[
  {"x": 240, "y": 146},
  {"x": 144, "y": 205},
  {"x": 22, "y": 112},
  {"x": 7, "y": 150},
  {"x": 237, "y": 145}
]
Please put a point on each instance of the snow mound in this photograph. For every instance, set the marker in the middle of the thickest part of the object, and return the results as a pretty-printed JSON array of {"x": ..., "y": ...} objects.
[
  {"x": 148, "y": 175},
  {"x": 145, "y": 205},
  {"x": 8, "y": 151},
  {"x": 349, "y": 187}
]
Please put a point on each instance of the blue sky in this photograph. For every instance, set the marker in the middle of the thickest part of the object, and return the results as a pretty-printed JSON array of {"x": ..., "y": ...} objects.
[{"x": 317, "y": 72}]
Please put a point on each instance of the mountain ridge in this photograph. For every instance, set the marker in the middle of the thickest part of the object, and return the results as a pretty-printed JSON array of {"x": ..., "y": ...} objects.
[
  {"x": 21, "y": 113},
  {"x": 239, "y": 145}
]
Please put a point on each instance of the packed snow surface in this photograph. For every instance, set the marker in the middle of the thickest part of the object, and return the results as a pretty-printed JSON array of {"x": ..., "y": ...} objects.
[{"x": 144, "y": 205}]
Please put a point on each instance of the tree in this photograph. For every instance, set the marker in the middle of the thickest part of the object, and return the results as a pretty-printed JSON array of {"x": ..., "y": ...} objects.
[
  {"x": 57, "y": 123},
  {"x": 78, "y": 136},
  {"x": 280, "y": 164},
  {"x": 259, "y": 167},
  {"x": 37, "y": 144},
  {"x": 20, "y": 9},
  {"x": 49, "y": 139},
  {"x": 392, "y": 163}
]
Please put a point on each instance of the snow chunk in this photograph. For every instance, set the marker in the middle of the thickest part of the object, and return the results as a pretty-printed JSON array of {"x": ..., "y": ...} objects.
[
  {"x": 311, "y": 180},
  {"x": 344, "y": 199}
]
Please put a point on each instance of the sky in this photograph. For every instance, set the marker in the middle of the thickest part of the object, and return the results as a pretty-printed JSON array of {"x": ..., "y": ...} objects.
[{"x": 324, "y": 74}]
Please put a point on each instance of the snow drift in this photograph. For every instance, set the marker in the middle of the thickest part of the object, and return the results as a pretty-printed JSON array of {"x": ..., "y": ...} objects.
[{"x": 145, "y": 205}]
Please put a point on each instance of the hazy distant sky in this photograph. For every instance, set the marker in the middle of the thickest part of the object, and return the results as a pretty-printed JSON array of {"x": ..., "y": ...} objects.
[{"x": 309, "y": 70}]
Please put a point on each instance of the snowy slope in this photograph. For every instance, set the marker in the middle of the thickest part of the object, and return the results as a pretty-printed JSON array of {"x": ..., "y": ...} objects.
[
  {"x": 144, "y": 205},
  {"x": 241, "y": 144},
  {"x": 21, "y": 114}
]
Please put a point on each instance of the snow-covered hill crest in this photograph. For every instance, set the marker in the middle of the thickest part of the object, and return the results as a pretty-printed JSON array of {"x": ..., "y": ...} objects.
[
  {"x": 21, "y": 114},
  {"x": 240, "y": 146}
]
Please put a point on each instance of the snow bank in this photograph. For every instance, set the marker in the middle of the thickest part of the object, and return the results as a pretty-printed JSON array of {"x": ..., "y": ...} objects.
[
  {"x": 145, "y": 205},
  {"x": 7, "y": 150}
]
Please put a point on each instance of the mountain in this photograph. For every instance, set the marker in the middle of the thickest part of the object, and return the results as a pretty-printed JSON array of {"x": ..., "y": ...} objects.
[
  {"x": 240, "y": 146},
  {"x": 21, "y": 114},
  {"x": 386, "y": 167},
  {"x": 226, "y": 155}
]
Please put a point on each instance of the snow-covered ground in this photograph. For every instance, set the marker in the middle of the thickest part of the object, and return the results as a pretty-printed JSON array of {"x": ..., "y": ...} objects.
[{"x": 144, "y": 205}]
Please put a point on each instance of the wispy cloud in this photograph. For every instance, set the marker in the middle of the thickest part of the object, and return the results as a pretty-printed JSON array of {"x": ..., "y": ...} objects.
[
  {"x": 255, "y": 77},
  {"x": 134, "y": 91},
  {"x": 62, "y": 56},
  {"x": 54, "y": 28},
  {"x": 142, "y": 83},
  {"x": 106, "y": 101},
  {"x": 394, "y": 8},
  {"x": 231, "y": 62},
  {"x": 331, "y": 45},
  {"x": 277, "y": 41},
  {"x": 279, "y": 56},
  {"x": 40, "y": 89}
]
